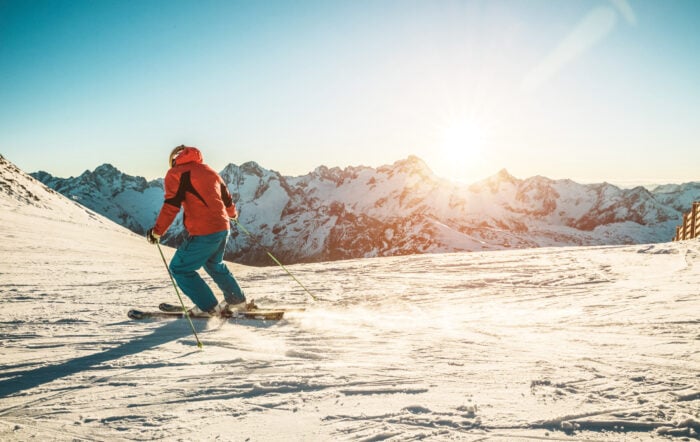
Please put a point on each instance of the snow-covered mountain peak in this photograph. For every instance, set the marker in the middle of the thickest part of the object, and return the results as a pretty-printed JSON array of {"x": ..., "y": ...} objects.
[
  {"x": 411, "y": 162},
  {"x": 127, "y": 200},
  {"x": 247, "y": 175},
  {"x": 504, "y": 177},
  {"x": 106, "y": 178},
  {"x": 252, "y": 168},
  {"x": 230, "y": 170},
  {"x": 232, "y": 174},
  {"x": 667, "y": 188},
  {"x": 496, "y": 183},
  {"x": 412, "y": 165},
  {"x": 334, "y": 174},
  {"x": 107, "y": 169}
]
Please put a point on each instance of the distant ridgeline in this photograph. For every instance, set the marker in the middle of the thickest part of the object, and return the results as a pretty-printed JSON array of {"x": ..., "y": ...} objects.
[
  {"x": 398, "y": 209},
  {"x": 690, "y": 228}
]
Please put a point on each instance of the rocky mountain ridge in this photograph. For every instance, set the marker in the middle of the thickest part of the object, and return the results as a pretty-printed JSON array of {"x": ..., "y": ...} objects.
[{"x": 403, "y": 208}]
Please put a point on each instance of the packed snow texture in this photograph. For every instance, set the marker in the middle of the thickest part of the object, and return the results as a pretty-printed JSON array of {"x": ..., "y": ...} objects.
[
  {"x": 589, "y": 343},
  {"x": 398, "y": 209}
]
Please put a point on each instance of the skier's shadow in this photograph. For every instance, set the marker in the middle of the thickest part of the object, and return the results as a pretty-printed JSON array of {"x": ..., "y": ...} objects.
[{"x": 18, "y": 381}]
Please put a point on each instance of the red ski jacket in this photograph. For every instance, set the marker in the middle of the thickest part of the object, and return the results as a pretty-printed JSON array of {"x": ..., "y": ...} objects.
[{"x": 200, "y": 191}]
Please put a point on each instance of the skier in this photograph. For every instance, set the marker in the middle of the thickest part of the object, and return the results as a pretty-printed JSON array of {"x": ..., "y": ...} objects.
[{"x": 208, "y": 207}]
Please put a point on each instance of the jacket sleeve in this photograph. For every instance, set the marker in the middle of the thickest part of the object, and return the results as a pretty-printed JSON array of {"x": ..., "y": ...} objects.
[
  {"x": 171, "y": 206},
  {"x": 228, "y": 201}
]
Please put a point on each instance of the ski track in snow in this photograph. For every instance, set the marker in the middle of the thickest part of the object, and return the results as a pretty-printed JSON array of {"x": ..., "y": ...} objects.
[{"x": 559, "y": 344}]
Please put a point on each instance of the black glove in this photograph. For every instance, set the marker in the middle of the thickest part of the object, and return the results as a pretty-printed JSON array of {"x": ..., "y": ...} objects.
[{"x": 152, "y": 237}]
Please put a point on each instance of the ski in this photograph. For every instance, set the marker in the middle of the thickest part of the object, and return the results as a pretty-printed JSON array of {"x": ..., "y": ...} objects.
[
  {"x": 253, "y": 313},
  {"x": 264, "y": 315},
  {"x": 252, "y": 308}
]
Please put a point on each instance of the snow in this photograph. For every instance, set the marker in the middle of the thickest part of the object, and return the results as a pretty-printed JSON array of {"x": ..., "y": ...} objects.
[{"x": 578, "y": 343}]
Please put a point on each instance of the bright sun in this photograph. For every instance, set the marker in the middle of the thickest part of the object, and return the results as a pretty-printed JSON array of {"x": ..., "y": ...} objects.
[{"x": 461, "y": 147}]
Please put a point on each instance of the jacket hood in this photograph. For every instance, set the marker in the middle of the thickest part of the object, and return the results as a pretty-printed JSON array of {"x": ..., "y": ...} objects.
[{"x": 188, "y": 155}]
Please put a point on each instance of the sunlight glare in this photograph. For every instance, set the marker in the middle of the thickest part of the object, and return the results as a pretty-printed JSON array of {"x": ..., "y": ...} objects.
[{"x": 461, "y": 146}]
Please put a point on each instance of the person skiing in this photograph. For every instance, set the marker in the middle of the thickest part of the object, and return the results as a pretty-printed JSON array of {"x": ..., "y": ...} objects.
[{"x": 208, "y": 208}]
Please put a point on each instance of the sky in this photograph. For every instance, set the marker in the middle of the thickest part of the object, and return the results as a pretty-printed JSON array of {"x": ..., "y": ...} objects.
[{"x": 591, "y": 90}]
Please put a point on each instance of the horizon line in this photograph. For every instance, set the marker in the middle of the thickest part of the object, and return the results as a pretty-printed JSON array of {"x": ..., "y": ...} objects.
[{"x": 624, "y": 183}]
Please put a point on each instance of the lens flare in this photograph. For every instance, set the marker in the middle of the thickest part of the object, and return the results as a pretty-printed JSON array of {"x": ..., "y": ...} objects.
[{"x": 461, "y": 146}]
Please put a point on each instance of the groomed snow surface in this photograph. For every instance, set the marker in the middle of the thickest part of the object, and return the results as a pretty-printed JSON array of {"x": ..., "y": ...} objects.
[{"x": 554, "y": 344}]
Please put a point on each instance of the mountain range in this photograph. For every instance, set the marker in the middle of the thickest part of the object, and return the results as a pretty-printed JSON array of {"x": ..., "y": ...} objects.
[{"x": 398, "y": 209}]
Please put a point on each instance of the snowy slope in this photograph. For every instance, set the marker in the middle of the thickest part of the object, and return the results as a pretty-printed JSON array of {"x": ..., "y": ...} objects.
[
  {"x": 589, "y": 343},
  {"x": 398, "y": 209}
]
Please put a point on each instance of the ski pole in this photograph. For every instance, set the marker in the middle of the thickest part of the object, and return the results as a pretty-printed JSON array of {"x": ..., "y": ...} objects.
[
  {"x": 184, "y": 309},
  {"x": 273, "y": 257}
]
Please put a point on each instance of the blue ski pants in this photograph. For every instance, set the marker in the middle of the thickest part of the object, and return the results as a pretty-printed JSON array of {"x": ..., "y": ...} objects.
[{"x": 205, "y": 251}]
